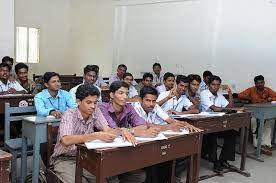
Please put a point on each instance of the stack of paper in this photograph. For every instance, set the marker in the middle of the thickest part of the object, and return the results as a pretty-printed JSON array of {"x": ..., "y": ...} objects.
[
  {"x": 170, "y": 132},
  {"x": 118, "y": 142},
  {"x": 212, "y": 113}
]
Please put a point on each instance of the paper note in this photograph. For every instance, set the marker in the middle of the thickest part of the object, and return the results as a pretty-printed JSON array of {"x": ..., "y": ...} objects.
[
  {"x": 160, "y": 136},
  {"x": 170, "y": 132},
  {"x": 118, "y": 142},
  {"x": 273, "y": 102}
]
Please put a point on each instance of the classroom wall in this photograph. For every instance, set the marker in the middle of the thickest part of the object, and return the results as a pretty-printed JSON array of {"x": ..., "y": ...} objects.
[{"x": 6, "y": 28}]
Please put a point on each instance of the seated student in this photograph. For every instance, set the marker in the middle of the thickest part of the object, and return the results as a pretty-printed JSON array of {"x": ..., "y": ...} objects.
[
  {"x": 132, "y": 92},
  {"x": 100, "y": 82},
  {"x": 6, "y": 85},
  {"x": 204, "y": 83},
  {"x": 21, "y": 71},
  {"x": 90, "y": 73},
  {"x": 146, "y": 81},
  {"x": 121, "y": 70},
  {"x": 175, "y": 100},
  {"x": 212, "y": 101},
  {"x": 157, "y": 76},
  {"x": 8, "y": 60},
  {"x": 192, "y": 93},
  {"x": 120, "y": 114},
  {"x": 168, "y": 80},
  {"x": 76, "y": 127},
  {"x": 260, "y": 94},
  {"x": 53, "y": 100}
]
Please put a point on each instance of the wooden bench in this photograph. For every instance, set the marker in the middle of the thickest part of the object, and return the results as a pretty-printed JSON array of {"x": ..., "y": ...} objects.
[{"x": 5, "y": 159}]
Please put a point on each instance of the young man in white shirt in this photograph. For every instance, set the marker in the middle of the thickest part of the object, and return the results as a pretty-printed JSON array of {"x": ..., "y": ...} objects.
[
  {"x": 168, "y": 80},
  {"x": 100, "y": 82},
  {"x": 193, "y": 93},
  {"x": 157, "y": 76},
  {"x": 174, "y": 101},
  {"x": 212, "y": 101},
  {"x": 90, "y": 74},
  {"x": 146, "y": 81},
  {"x": 204, "y": 83},
  {"x": 132, "y": 92},
  {"x": 6, "y": 85}
]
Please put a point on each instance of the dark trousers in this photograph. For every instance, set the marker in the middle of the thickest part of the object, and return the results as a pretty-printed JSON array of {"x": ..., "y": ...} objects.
[{"x": 210, "y": 145}]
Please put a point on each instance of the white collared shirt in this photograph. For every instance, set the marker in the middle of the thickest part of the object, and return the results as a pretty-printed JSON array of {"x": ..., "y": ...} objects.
[
  {"x": 132, "y": 92},
  {"x": 207, "y": 99},
  {"x": 203, "y": 86},
  {"x": 100, "y": 82},
  {"x": 14, "y": 84},
  {"x": 74, "y": 90},
  {"x": 174, "y": 103},
  {"x": 157, "y": 80},
  {"x": 156, "y": 116},
  {"x": 161, "y": 88}
]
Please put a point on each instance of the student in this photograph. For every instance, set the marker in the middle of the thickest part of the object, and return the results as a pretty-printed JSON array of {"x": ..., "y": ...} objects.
[
  {"x": 6, "y": 85},
  {"x": 192, "y": 93},
  {"x": 132, "y": 92},
  {"x": 21, "y": 71},
  {"x": 212, "y": 101},
  {"x": 100, "y": 82},
  {"x": 204, "y": 84},
  {"x": 53, "y": 100},
  {"x": 175, "y": 100},
  {"x": 76, "y": 127},
  {"x": 146, "y": 81},
  {"x": 168, "y": 83},
  {"x": 121, "y": 70},
  {"x": 90, "y": 74},
  {"x": 260, "y": 94},
  {"x": 8, "y": 60},
  {"x": 120, "y": 114},
  {"x": 157, "y": 76}
]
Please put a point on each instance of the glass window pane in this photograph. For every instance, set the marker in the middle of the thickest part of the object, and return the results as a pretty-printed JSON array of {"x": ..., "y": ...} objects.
[
  {"x": 21, "y": 44},
  {"x": 33, "y": 54}
]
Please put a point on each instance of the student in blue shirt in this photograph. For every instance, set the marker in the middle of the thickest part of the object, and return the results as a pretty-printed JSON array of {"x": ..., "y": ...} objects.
[{"x": 53, "y": 100}]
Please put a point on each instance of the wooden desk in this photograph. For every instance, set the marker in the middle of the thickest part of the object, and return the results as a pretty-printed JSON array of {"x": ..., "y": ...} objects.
[
  {"x": 5, "y": 159},
  {"x": 261, "y": 111},
  {"x": 104, "y": 163},
  {"x": 223, "y": 123},
  {"x": 16, "y": 100}
]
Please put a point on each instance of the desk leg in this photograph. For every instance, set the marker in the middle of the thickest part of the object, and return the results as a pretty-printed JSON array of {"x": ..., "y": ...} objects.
[
  {"x": 78, "y": 172},
  {"x": 36, "y": 156},
  {"x": 23, "y": 159},
  {"x": 189, "y": 176},
  {"x": 245, "y": 133},
  {"x": 260, "y": 135},
  {"x": 172, "y": 170}
]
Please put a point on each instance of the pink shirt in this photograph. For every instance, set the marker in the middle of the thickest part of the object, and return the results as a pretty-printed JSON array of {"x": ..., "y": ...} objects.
[{"x": 72, "y": 123}]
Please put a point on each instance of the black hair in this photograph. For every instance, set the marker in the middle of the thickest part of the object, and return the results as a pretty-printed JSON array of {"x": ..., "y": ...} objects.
[
  {"x": 182, "y": 78},
  {"x": 167, "y": 75},
  {"x": 148, "y": 90},
  {"x": 258, "y": 78},
  {"x": 5, "y": 65},
  {"x": 214, "y": 77},
  {"x": 194, "y": 77},
  {"x": 97, "y": 67},
  {"x": 48, "y": 75},
  {"x": 127, "y": 74},
  {"x": 116, "y": 85},
  {"x": 147, "y": 75},
  {"x": 156, "y": 64},
  {"x": 90, "y": 68},
  {"x": 122, "y": 65},
  {"x": 207, "y": 73},
  {"x": 6, "y": 59},
  {"x": 20, "y": 66},
  {"x": 86, "y": 90}
]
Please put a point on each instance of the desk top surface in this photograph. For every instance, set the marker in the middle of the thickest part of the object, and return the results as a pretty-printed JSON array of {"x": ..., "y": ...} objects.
[
  {"x": 16, "y": 96},
  {"x": 39, "y": 119},
  {"x": 199, "y": 117},
  {"x": 260, "y": 105}
]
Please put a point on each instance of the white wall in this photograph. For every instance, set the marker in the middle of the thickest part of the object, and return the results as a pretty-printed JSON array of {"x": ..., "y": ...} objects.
[{"x": 6, "y": 28}]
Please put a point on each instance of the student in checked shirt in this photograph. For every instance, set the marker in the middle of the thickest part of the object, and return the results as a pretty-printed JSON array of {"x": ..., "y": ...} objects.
[
  {"x": 212, "y": 101},
  {"x": 77, "y": 126},
  {"x": 174, "y": 101},
  {"x": 151, "y": 112}
]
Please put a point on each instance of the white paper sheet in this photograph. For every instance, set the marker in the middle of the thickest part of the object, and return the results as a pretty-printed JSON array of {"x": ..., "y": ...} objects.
[
  {"x": 160, "y": 136},
  {"x": 202, "y": 114},
  {"x": 118, "y": 142},
  {"x": 170, "y": 132}
]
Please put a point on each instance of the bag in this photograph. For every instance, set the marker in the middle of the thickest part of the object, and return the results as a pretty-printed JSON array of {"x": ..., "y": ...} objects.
[{"x": 41, "y": 177}]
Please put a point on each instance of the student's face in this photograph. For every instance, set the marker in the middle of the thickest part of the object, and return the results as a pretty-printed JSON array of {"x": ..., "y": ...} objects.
[
  {"x": 53, "y": 84},
  {"x": 88, "y": 104},
  {"x": 128, "y": 80},
  {"x": 169, "y": 82},
  {"x": 4, "y": 73},
  {"x": 182, "y": 87},
  {"x": 120, "y": 96},
  {"x": 147, "y": 81},
  {"x": 260, "y": 84},
  {"x": 90, "y": 77},
  {"x": 148, "y": 102},
  {"x": 214, "y": 86},
  {"x": 121, "y": 71},
  {"x": 206, "y": 79},
  {"x": 157, "y": 69},
  {"x": 22, "y": 74},
  {"x": 194, "y": 86}
]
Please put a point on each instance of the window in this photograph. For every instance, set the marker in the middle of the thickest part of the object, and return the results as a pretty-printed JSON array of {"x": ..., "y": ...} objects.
[{"x": 27, "y": 45}]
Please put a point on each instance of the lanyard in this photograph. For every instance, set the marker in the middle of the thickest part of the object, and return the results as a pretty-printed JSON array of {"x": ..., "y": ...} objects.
[
  {"x": 177, "y": 103},
  {"x": 54, "y": 105}
]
